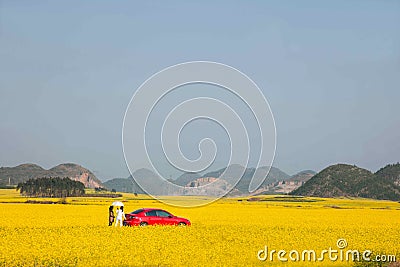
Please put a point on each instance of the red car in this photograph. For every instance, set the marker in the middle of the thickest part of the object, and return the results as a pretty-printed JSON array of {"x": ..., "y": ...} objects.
[{"x": 148, "y": 216}]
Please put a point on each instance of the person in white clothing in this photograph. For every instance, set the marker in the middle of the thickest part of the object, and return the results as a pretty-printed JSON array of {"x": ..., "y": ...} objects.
[{"x": 120, "y": 216}]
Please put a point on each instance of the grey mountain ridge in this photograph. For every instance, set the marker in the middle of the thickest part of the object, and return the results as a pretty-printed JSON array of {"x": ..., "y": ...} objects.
[{"x": 187, "y": 179}]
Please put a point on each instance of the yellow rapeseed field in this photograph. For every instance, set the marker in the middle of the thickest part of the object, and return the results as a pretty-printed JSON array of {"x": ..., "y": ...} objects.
[{"x": 229, "y": 232}]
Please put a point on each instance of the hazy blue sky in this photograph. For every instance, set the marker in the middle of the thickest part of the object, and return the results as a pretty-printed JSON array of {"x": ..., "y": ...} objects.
[{"x": 329, "y": 69}]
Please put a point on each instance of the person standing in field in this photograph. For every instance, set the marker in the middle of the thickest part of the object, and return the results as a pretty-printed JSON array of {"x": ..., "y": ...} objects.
[
  {"x": 110, "y": 215},
  {"x": 120, "y": 216}
]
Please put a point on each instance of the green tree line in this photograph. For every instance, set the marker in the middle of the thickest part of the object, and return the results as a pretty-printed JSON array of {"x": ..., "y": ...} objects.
[{"x": 51, "y": 187}]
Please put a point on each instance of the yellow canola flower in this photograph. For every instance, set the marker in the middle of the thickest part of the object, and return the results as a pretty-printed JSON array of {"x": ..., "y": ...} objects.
[{"x": 229, "y": 232}]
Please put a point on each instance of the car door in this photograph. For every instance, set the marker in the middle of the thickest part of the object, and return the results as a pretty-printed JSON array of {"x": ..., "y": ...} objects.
[
  {"x": 152, "y": 218},
  {"x": 166, "y": 218}
]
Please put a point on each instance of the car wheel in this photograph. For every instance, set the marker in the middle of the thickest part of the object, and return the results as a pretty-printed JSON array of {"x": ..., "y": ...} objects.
[
  {"x": 143, "y": 224},
  {"x": 181, "y": 224}
]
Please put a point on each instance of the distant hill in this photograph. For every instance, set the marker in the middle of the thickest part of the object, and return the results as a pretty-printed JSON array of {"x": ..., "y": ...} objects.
[
  {"x": 126, "y": 185},
  {"x": 273, "y": 176},
  {"x": 391, "y": 173},
  {"x": 129, "y": 185},
  {"x": 284, "y": 185},
  {"x": 209, "y": 186},
  {"x": 334, "y": 181},
  {"x": 387, "y": 183},
  {"x": 24, "y": 172},
  {"x": 351, "y": 181},
  {"x": 77, "y": 173},
  {"x": 186, "y": 178},
  {"x": 20, "y": 173},
  {"x": 303, "y": 176},
  {"x": 233, "y": 171},
  {"x": 189, "y": 180}
]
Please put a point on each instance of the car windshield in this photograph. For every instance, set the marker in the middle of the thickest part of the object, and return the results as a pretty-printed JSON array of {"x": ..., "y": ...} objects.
[{"x": 137, "y": 211}]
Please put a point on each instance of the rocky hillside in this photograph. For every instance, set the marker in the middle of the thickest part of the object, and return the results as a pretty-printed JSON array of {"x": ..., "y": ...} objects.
[
  {"x": 24, "y": 172},
  {"x": 351, "y": 181},
  {"x": 386, "y": 183},
  {"x": 390, "y": 173},
  {"x": 303, "y": 176},
  {"x": 285, "y": 186},
  {"x": 77, "y": 173},
  {"x": 186, "y": 178},
  {"x": 190, "y": 180},
  {"x": 233, "y": 171},
  {"x": 208, "y": 186}
]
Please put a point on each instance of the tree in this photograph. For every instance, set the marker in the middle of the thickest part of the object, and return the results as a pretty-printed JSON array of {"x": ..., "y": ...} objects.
[{"x": 51, "y": 187}]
